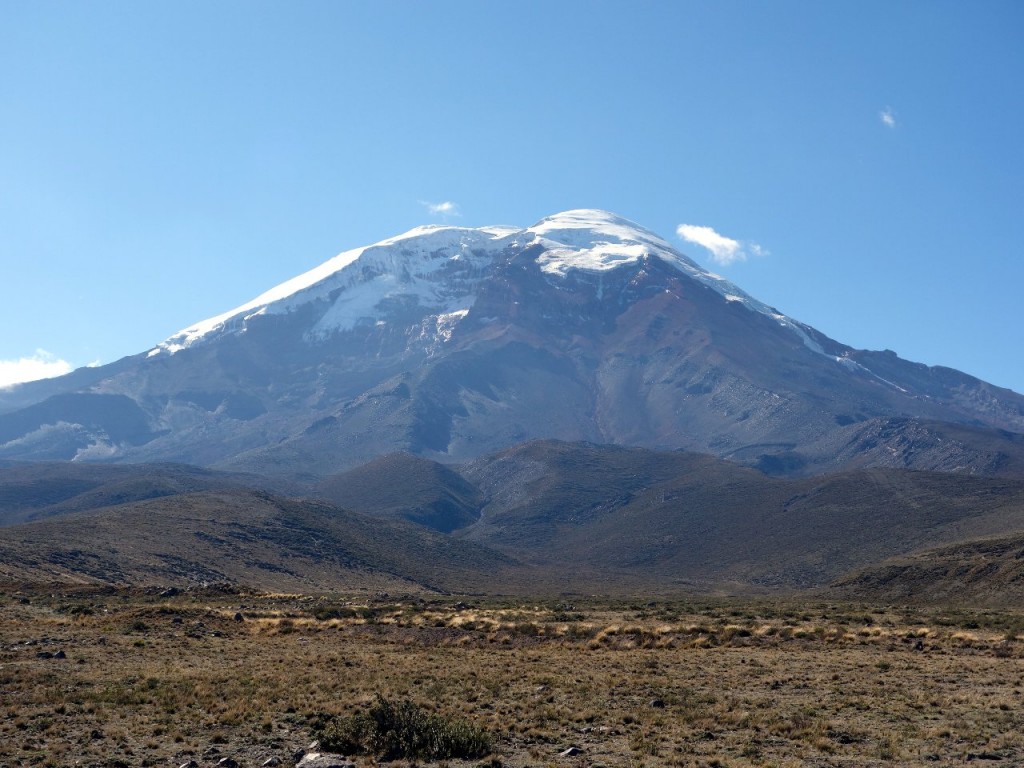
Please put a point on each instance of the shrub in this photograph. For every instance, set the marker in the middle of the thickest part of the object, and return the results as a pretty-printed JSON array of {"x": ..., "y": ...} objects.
[
  {"x": 394, "y": 730},
  {"x": 326, "y": 613}
]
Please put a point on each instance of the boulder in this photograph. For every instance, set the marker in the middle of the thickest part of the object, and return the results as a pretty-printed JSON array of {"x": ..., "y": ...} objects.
[{"x": 324, "y": 760}]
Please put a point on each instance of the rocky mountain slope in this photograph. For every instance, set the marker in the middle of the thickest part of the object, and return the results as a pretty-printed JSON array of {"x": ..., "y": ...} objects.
[{"x": 451, "y": 343}]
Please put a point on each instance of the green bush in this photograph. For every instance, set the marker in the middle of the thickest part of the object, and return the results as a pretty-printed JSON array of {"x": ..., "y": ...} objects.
[
  {"x": 394, "y": 730},
  {"x": 325, "y": 613}
]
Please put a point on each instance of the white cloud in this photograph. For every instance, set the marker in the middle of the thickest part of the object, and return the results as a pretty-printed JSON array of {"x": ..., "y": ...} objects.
[
  {"x": 445, "y": 209},
  {"x": 41, "y": 365},
  {"x": 887, "y": 117},
  {"x": 724, "y": 250}
]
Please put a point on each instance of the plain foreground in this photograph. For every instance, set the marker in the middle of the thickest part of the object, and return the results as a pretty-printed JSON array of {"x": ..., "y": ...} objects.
[{"x": 112, "y": 678}]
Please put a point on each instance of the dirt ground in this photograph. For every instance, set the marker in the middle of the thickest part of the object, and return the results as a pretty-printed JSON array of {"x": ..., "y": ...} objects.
[{"x": 120, "y": 679}]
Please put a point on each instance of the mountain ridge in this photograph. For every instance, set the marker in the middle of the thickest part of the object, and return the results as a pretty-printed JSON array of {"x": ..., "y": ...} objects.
[{"x": 542, "y": 517}]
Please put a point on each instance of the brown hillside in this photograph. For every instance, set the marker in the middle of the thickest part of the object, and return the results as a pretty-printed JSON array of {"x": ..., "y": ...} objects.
[
  {"x": 243, "y": 537},
  {"x": 980, "y": 572}
]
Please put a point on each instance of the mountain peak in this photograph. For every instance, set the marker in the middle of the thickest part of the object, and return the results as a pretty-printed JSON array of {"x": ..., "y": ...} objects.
[
  {"x": 594, "y": 220},
  {"x": 596, "y": 240}
]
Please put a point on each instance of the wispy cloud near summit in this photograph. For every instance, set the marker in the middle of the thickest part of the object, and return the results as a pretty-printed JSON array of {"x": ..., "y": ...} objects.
[
  {"x": 445, "y": 209},
  {"x": 724, "y": 250}
]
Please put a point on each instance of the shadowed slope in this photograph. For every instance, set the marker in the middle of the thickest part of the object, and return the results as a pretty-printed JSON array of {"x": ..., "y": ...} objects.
[{"x": 404, "y": 486}]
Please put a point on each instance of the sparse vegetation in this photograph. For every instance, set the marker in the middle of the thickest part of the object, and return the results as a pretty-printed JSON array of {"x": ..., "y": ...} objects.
[{"x": 431, "y": 680}]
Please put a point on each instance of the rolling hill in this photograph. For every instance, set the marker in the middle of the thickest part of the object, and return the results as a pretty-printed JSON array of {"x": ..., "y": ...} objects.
[{"x": 243, "y": 537}]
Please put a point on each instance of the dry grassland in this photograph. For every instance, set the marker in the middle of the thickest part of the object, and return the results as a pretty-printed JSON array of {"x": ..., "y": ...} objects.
[{"x": 151, "y": 680}]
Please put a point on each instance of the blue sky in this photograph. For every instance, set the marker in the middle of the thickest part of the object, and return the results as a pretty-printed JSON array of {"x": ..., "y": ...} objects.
[{"x": 162, "y": 162}]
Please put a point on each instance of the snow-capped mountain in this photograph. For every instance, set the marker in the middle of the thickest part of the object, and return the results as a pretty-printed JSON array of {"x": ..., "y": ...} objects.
[
  {"x": 438, "y": 268},
  {"x": 452, "y": 342}
]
